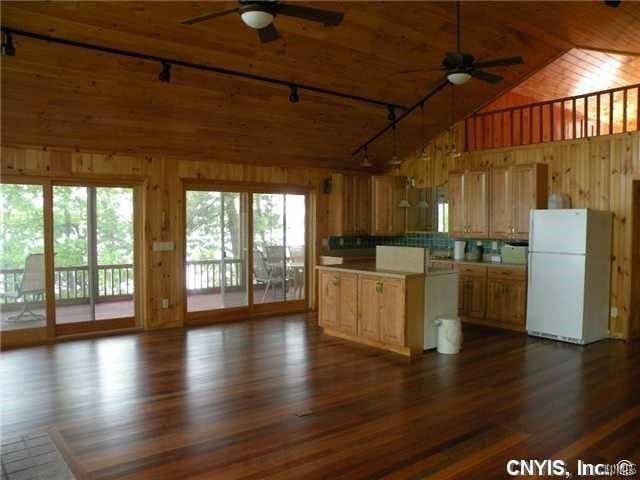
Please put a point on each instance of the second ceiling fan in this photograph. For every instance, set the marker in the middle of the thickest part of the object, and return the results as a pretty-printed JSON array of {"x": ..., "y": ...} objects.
[
  {"x": 459, "y": 67},
  {"x": 259, "y": 15}
]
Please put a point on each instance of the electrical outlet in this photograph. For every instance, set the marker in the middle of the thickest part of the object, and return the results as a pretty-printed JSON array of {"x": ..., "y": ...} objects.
[
  {"x": 614, "y": 312},
  {"x": 165, "y": 303}
]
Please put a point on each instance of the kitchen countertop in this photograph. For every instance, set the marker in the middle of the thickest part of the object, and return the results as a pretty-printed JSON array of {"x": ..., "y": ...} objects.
[
  {"x": 478, "y": 263},
  {"x": 368, "y": 268}
]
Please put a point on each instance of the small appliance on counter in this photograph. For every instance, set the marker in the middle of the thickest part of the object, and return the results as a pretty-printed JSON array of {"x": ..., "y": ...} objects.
[
  {"x": 475, "y": 252},
  {"x": 458, "y": 249},
  {"x": 515, "y": 253}
]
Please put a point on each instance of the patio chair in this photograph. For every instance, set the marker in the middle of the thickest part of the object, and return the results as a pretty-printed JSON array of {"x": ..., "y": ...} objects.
[
  {"x": 32, "y": 284},
  {"x": 265, "y": 273},
  {"x": 296, "y": 269}
]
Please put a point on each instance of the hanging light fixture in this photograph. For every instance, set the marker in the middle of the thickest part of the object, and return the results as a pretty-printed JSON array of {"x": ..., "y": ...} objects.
[
  {"x": 366, "y": 163},
  {"x": 395, "y": 160},
  {"x": 424, "y": 154},
  {"x": 451, "y": 148},
  {"x": 404, "y": 203}
]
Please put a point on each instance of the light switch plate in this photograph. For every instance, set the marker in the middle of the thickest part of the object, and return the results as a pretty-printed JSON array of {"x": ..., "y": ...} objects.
[{"x": 164, "y": 246}]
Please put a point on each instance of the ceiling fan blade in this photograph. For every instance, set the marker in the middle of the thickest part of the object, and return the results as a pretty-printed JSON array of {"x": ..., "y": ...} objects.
[
  {"x": 499, "y": 62},
  {"x": 207, "y": 16},
  {"x": 326, "y": 17},
  {"x": 269, "y": 33},
  {"x": 486, "y": 76}
]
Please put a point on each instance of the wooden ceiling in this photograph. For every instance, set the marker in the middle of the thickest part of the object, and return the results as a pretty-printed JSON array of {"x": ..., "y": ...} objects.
[
  {"x": 68, "y": 97},
  {"x": 576, "y": 72}
]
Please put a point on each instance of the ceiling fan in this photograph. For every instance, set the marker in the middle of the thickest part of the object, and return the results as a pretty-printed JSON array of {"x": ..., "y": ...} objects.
[
  {"x": 259, "y": 14},
  {"x": 459, "y": 67}
]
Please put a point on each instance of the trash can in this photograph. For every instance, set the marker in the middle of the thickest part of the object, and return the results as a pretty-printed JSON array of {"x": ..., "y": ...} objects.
[{"x": 449, "y": 335}]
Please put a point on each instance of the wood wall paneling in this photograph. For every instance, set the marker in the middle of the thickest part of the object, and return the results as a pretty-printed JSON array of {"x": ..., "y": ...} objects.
[{"x": 596, "y": 173}]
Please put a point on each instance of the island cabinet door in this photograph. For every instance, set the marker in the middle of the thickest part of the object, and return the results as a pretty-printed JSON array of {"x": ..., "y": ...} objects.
[
  {"x": 369, "y": 304},
  {"x": 329, "y": 296},
  {"x": 392, "y": 312},
  {"x": 348, "y": 320}
]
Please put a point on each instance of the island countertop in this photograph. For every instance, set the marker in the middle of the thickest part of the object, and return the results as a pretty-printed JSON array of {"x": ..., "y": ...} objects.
[{"x": 368, "y": 268}]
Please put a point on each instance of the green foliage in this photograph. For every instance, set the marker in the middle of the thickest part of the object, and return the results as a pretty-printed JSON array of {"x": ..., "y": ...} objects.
[{"x": 21, "y": 223}]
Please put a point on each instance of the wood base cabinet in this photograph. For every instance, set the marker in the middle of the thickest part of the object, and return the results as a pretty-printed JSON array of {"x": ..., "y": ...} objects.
[
  {"x": 495, "y": 296},
  {"x": 378, "y": 310}
]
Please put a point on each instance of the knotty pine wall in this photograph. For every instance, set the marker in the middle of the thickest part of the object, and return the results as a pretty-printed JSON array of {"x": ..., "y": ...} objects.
[
  {"x": 597, "y": 173},
  {"x": 162, "y": 272}
]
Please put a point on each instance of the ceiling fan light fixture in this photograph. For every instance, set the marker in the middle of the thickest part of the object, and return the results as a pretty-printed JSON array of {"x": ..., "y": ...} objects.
[
  {"x": 256, "y": 16},
  {"x": 458, "y": 78}
]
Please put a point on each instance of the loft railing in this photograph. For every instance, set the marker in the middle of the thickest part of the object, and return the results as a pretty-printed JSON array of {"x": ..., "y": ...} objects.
[
  {"x": 71, "y": 284},
  {"x": 599, "y": 113}
]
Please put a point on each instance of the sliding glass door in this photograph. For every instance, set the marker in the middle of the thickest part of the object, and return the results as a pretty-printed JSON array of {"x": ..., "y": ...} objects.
[
  {"x": 93, "y": 245},
  {"x": 22, "y": 264},
  {"x": 216, "y": 250},
  {"x": 279, "y": 247},
  {"x": 221, "y": 228}
]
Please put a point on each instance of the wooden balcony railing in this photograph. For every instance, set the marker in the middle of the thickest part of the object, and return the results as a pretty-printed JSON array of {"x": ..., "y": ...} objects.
[
  {"x": 600, "y": 113},
  {"x": 71, "y": 284}
]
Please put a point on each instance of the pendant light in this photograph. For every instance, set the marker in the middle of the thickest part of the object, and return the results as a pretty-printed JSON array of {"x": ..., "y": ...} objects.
[
  {"x": 395, "y": 160},
  {"x": 451, "y": 148},
  {"x": 424, "y": 156},
  {"x": 366, "y": 163}
]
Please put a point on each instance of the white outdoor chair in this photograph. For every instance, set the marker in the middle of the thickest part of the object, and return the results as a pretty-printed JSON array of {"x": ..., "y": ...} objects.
[{"x": 32, "y": 284}]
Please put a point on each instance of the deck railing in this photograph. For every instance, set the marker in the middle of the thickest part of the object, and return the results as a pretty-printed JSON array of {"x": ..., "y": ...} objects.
[
  {"x": 599, "y": 113},
  {"x": 71, "y": 284}
]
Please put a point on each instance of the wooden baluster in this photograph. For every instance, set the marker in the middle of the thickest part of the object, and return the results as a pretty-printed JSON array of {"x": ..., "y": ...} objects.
[
  {"x": 586, "y": 118},
  {"x": 624, "y": 110},
  {"x": 511, "y": 128},
  {"x": 562, "y": 120},
  {"x": 573, "y": 110},
  {"x": 530, "y": 125},
  {"x": 610, "y": 113},
  {"x": 540, "y": 125},
  {"x": 597, "y": 115},
  {"x": 552, "y": 122},
  {"x": 521, "y": 126}
]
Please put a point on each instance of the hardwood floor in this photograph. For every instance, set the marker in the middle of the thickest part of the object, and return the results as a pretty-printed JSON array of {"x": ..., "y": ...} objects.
[{"x": 276, "y": 398}]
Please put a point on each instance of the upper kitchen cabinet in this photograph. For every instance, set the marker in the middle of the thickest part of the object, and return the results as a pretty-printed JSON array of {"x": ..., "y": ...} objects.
[
  {"x": 515, "y": 191},
  {"x": 469, "y": 204},
  {"x": 349, "y": 204},
  {"x": 387, "y": 217}
]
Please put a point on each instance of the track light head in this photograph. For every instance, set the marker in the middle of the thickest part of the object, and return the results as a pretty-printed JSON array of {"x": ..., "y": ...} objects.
[
  {"x": 293, "y": 96},
  {"x": 392, "y": 113},
  {"x": 7, "y": 45},
  {"x": 165, "y": 73}
]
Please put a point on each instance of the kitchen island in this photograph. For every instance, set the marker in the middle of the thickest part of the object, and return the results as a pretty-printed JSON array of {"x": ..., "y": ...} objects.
[{"x": 378, "y": 307}]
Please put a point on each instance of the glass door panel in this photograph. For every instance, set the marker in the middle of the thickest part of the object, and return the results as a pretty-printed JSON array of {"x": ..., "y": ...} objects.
[
  {"x": 22, "y": 274},
  {"x": 93, "y": 236},
  {"x": 216, "y": 250},
  {"x": 279, "y": 247},
  {"x": 114, "y": 243},
  {"x": 269, "y": 257},
  {"x": 295, "y": 213}
]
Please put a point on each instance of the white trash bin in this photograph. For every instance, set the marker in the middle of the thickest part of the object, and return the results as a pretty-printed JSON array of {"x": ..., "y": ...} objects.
[{"x": 449, "y": 335}]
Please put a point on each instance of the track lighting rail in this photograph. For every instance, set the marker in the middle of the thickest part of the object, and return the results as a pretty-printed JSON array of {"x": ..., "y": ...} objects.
[
  {"x": 198, "y": 66},
  {"x": 392, "y": 123}
]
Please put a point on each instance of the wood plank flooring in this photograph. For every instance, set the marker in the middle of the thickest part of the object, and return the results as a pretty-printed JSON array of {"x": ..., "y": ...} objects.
[{"x": 276, "y": 398}]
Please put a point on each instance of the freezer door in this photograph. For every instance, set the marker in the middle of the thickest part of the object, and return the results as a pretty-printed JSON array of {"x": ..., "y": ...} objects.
[
  {"x": 555, "y": 300},
  {"x": 558, "y": 231}
]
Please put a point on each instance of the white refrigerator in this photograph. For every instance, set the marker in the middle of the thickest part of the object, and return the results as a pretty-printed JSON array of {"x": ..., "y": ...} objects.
[{"x": 569, "y": 274}]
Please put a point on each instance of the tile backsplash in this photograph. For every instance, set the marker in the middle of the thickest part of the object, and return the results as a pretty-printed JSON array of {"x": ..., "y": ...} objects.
[{"x": 435, "y": 241}]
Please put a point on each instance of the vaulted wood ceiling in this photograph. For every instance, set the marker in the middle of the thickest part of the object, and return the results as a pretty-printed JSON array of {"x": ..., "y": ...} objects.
[{"x": 64, "y": 96}]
